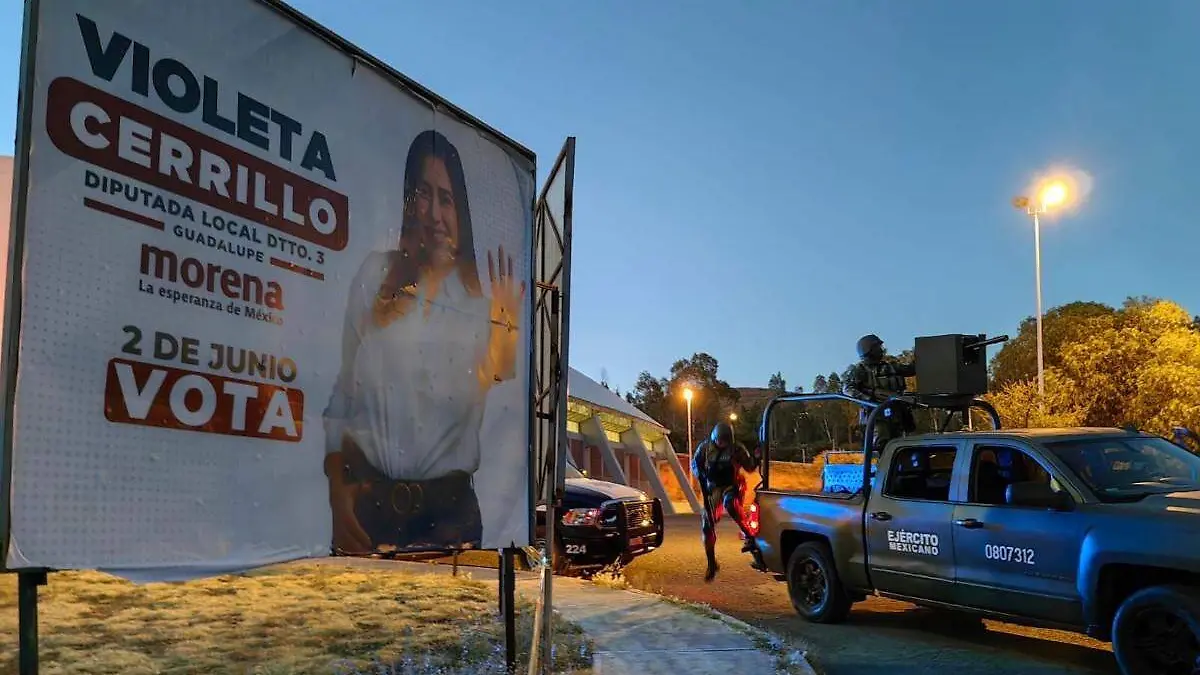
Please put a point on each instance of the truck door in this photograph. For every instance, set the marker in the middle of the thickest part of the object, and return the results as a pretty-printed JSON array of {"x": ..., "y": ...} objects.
[
  {"x": 910, "y": 550},
  {"x": 1016, "y": 559}
]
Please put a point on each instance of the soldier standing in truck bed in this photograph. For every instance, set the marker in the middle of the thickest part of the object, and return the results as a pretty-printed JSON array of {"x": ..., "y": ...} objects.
[{"x": 876, "y": 379}]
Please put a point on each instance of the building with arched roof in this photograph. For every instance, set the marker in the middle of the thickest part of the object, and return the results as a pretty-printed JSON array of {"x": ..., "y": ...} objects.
[{"x": 610, "y": 439}]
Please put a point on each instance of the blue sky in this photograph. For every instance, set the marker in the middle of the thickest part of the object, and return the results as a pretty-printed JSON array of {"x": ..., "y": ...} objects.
[{"x": 768, "y": 183}]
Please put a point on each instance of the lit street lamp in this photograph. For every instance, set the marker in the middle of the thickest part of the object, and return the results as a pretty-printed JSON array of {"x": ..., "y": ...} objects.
[
  {"x": 687, "y": 396},
  {"x": 1051, "y": 194},
  {"x": 733, "y": 424}
]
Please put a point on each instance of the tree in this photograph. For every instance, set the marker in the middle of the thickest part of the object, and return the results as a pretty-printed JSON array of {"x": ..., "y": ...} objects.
[
  {"x": 820, "y": 385},
  {"x": 662, "y": 398},
  {"x": 712, "y": 396},
  {"x": 649, "y": 395},
  {"x": 1018, "y": 406},
  {"x": 777, "y": 383},
  {"x": 745, "y": 428},
  {"x": 834, "y": 382},
  {"x": 1139, "y": 365},
  {"x": 819, "y": 411},
  {"x": 1061, "y": 326}
]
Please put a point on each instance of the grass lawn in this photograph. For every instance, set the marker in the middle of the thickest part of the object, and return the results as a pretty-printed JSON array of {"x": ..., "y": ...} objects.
[{"x": 291, "y": 620}]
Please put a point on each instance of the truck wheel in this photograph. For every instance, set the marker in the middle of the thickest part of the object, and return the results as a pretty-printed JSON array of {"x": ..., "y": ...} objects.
[
  {"x": 1157, "y": 631},
  {"x": 814, "y": 586}
]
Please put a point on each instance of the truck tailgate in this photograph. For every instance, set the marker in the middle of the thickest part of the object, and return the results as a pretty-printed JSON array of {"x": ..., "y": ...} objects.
[{"x": 789, "y": 518}]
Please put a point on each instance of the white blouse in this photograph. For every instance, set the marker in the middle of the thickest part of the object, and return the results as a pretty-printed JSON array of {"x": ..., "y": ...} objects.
[{"x": 407, "y": 393}]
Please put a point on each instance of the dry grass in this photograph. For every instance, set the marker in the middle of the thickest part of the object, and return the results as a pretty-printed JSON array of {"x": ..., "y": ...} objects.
[
  {"x": 297, "y": 620},
  {"x": 612, "y": 576}
]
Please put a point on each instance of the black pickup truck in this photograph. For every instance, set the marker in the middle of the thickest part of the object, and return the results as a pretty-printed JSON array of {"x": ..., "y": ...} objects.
[
  {"x": 1090, "y": 530},
  {"x": 600, "y": 524}
]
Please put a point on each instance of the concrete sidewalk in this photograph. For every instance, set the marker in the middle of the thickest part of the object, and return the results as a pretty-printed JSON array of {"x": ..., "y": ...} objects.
[
  {"x": 633, "y": 631},
  {"x": 640, "y": 633}
]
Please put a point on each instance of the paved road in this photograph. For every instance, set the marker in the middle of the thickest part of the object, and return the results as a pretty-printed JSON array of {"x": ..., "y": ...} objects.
[{"x": 881, "y": 636}]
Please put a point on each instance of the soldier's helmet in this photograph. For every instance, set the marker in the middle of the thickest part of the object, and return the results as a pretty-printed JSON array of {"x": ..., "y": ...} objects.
[
  {"x": 722, "y": 434},
  {"x": 869, "y": 344}
]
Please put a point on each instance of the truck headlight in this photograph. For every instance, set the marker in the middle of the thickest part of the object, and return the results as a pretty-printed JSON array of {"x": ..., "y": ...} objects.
[{"x": 581, "y": 517}]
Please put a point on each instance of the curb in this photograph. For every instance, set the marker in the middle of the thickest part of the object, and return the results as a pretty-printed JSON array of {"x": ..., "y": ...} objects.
[{"x": 794, "y": 657}]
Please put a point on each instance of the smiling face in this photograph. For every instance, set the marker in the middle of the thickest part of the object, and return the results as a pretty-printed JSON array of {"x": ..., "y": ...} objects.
[{"x": 434, "y": 212}]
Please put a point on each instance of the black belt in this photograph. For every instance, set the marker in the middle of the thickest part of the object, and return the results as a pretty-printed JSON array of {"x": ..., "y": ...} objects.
[{"x": 404, "y": 497}]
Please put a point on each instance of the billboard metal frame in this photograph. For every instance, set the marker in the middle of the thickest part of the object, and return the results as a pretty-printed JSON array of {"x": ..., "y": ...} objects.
[
  {"x": 28, "y": 581},
  {"x": 548, "y": 409},
  {"x": 16, "y": 253},
  {"x": 552, "y": 325}
]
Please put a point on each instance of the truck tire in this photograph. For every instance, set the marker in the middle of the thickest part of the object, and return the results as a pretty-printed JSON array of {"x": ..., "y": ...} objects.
[
  {"x": 1156, "y": 631},
  {"x": 814, "y": 586}
]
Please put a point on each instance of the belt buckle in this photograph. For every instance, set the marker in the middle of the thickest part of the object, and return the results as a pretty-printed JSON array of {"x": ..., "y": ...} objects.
[{"x": 414, "y": 497}]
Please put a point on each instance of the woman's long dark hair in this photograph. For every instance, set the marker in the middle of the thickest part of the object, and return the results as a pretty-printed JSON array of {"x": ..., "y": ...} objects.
[{"x": 428, "y": 144}]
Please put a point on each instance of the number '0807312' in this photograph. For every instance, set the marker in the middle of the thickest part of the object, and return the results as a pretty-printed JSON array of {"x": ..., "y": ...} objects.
[{"x": 1009, "y": 553}]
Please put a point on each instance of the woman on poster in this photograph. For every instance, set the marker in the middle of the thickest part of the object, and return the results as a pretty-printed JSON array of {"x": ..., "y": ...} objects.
[{"x": 422, "y": 346}]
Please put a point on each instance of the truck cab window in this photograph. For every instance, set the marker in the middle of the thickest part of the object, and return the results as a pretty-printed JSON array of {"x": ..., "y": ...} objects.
[
  {"x": 1130, "y": 466},
  {"x": 994, "y": 468},
  {"x": 921, "y": 472}
]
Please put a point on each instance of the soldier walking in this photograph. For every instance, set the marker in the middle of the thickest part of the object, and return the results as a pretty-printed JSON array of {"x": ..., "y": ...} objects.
[{"x": 715, "y": 465}]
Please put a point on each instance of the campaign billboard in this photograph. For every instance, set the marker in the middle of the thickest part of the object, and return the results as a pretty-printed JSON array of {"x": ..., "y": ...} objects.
[{"x": 274, "y": 300}]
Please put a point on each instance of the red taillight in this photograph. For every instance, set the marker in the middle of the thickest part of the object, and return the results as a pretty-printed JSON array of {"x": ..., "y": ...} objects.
[{"x": 752, "y": 519}]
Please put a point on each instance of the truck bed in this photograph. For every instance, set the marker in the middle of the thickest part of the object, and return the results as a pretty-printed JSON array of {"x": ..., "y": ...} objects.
[{"x": 789, "y": 518}]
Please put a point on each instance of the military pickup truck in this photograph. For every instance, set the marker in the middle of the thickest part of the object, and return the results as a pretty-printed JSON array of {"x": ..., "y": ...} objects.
[{"x": 1091, "y": 530}]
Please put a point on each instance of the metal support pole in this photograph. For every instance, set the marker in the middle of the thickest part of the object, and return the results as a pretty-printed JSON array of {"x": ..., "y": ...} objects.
[
  {"x": 508, "y": 592},
  {"x": 27, "y": 606},
  {"x": 554, "y": 500},
  {"x": 691, "y": 448},
  {"x": 1037, "y": 264}
]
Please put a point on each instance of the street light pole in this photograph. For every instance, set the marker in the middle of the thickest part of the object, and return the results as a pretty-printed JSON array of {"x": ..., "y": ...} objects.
[
  {"x": 1049, "y": 195},
  {"x": 1037, "y": 265},
  {"x": 687, "y": 396}
]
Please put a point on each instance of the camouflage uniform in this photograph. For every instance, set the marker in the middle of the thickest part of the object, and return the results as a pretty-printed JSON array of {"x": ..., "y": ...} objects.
[
  {"x": 715, "y": 465},
  {"x": 874, "y": 379}
]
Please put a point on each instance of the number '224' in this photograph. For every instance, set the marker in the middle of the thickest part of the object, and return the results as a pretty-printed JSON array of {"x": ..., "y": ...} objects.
[{"x": 1009, "y": 553}]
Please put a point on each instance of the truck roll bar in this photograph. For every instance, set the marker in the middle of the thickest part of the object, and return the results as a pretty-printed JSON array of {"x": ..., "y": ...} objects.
[
  {"x": 765, "y": 427},
  {"x": 951, "y": 404}
]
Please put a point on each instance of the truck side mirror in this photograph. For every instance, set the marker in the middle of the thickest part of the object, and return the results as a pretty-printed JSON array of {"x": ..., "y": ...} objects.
[{"x": 1039, "y": 495}]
